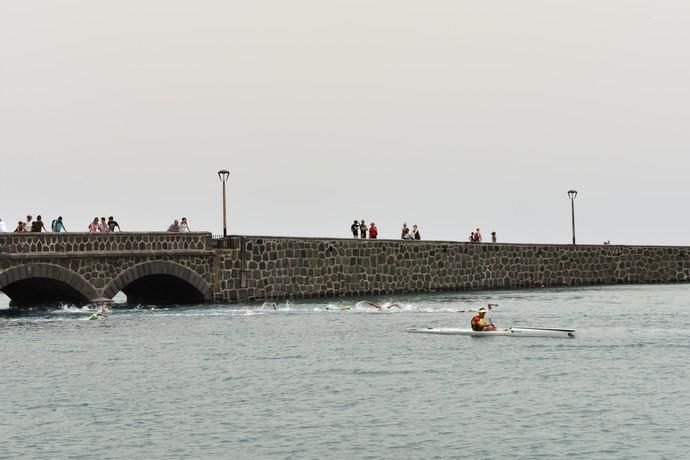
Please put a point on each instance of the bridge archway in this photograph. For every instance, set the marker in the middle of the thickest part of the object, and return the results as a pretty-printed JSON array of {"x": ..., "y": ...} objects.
[
  {"x": 160, "y": 283},
  {"x": 45, "y": 284}
]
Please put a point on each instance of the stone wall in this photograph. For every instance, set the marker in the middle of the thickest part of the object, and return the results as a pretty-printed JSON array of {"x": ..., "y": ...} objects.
[
  {"x": 255, "y": 268},
  {"x": 249, "y": 268}
]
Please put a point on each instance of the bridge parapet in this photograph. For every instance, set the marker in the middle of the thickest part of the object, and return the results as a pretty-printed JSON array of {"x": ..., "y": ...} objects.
[{"x": 18, "y": 244}]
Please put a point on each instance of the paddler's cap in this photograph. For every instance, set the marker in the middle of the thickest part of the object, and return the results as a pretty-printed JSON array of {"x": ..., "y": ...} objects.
[{"x": 482, "y": 310}]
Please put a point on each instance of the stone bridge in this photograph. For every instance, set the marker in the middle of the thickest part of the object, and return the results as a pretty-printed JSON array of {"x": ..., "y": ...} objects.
[
  {"x": 37, "y": 268},
  {"x": 193, "y": 268}
]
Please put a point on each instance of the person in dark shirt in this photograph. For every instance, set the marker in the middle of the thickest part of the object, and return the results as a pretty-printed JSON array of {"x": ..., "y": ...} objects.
[
  {"x": 112, "y": 224},
  {"x": 355, "y": 228},
  {"x": 37, "y": 225},
  {"x": 405, "y": 231},
  {"x": 362, "y": 229}
]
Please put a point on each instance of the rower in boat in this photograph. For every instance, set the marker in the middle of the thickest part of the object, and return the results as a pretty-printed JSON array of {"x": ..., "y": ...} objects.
[{"x": 479, "y": 322}]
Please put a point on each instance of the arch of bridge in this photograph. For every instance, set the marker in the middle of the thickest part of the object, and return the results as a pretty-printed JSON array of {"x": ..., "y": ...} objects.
[
  {"x": 145, "y": 269},
  {"x": 50, "y": 271}
]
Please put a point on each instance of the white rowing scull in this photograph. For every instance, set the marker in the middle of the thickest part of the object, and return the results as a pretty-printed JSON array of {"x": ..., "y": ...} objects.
[{"x": 509, "y": 332}]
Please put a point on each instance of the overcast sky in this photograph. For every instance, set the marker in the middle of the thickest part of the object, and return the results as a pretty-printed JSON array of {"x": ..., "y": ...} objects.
[{"x": 450, "y": 114}]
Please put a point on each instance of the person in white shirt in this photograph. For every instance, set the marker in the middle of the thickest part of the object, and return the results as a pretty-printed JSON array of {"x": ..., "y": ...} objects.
[
  {"x": 3, "y": 227},
  {"x": 184, "y": 226}
]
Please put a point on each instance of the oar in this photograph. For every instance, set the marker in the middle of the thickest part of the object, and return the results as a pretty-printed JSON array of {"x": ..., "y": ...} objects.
[{"x": 489, "y": 307}]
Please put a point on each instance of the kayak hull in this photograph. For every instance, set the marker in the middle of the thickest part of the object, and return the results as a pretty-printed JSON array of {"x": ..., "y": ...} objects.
[{"x": 509, "y": 332}]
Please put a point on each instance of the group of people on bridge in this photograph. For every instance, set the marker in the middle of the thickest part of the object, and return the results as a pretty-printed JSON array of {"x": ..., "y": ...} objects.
[
  {"x": 96, "y": 226},
  {"x": 103, "y": 226},
  {"x": 360, "y": 230},
  {"x": 35, "y": 226}
]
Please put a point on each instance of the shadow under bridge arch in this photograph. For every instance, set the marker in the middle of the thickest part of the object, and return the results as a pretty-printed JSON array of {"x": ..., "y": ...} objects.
[
  {"x": 160, "y": 283},
  {"x": 45, "y": 284}
]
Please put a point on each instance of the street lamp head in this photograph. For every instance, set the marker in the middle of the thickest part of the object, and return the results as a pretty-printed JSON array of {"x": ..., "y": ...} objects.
[
  {"x": 572, "y": 194},
  {"x": 223, "y": 175}
]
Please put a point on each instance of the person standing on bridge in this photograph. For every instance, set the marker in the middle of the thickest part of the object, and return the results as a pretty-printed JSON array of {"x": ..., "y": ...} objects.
[
  {"x": 362, "y": 229},
  {"x": 112, "y": 224},
  {"x": 37, "y": 225},
  {"x": 373, "y": 231},
  {"x": 58, "y": 226},
  {"x": 477, "y": 236},
  {"x": 94, "y": 227},
  {"x": 3, "y": 227},
  {"x": 184, "y": 226},
  {"x": 175, "y": 226},
  {"x": 415, "y": 233},
  {"x": 354, "y": 228}
]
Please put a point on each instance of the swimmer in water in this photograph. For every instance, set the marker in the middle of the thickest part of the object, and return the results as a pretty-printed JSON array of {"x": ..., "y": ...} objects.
[
  {"x": 377, "y": 306},
  {"x": 489, "y": 306},
  {"x": 102, "y": 312}
]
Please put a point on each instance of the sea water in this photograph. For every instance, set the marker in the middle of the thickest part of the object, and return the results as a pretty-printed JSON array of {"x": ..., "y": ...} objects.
[{"x": 336, "y": 379}]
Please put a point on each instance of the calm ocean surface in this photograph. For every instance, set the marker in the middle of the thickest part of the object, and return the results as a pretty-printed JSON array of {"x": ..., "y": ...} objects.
[{"x": 308, "y": 381}]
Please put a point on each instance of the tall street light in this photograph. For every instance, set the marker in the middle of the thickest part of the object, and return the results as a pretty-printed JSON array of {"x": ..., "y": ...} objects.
[
  {"x": 223, "y": 175},
  {"x": 572, "y": 194}
]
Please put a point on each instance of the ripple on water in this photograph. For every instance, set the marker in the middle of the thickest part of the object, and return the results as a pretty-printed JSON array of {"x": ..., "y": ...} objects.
[{"x": 304, "y": 381}]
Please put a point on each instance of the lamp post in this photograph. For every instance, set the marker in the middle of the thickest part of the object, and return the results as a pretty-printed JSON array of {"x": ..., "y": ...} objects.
[
  {"x": 572, "y": 194},
  {"x": 223, "y": 175}
]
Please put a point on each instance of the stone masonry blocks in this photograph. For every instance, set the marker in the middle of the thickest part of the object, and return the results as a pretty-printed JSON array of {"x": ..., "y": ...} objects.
[
  {"x": 361, "y": 267},
  {"x": 245, "y": 268}
]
